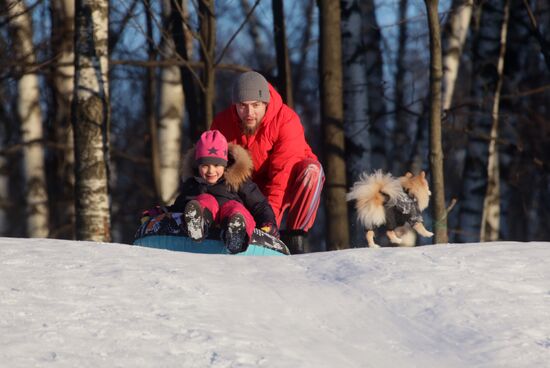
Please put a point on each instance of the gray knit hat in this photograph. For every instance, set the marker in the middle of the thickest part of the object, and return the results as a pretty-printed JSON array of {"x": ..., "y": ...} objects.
[{"x": 250, "y": 86}]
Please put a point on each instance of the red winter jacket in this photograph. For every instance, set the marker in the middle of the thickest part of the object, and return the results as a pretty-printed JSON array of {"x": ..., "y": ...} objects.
[{"x": 278, "y": 144}]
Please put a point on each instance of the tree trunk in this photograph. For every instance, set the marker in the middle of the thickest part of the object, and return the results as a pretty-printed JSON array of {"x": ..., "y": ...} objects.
[
  {"x": 401, "y": 134},
  {"x": 4, "y": 192},
  {"x": 172, "y": 101},
  {"x": 179, "y": 18},
  {"x": 330, "y": 60},
  {"x": 490, "y": 219},
  {"x": 29, "y": 114},
  {"x": 487, "y": 26},
  {"x": 356, "y": 120},
  {"x": 90, "y": 118},
  {"x": 150, "y": 102},
  {"x": 436, "y": 150},
  {"x": 284, "y": 76},
  {"x": 4, "y": 172},
  {"x": 300, "y": 67},
  {"x": 208, "y": 49},
  {"x": 63, "y": 220},
  {"x": 458, "y": 25},
  {"x": 264, "y": 60},
  {"x": 375, "y": 84}
]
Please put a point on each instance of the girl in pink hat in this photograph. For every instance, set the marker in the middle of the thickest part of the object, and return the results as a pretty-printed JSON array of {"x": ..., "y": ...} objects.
[{"x": 217, "y": 189}]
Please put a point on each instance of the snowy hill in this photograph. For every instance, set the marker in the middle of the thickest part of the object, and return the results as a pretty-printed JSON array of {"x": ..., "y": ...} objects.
[{"x": 83, "y": 304}]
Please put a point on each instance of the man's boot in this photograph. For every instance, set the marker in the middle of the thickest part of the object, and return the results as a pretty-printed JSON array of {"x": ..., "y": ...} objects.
[{"x": 296, "y": 241}]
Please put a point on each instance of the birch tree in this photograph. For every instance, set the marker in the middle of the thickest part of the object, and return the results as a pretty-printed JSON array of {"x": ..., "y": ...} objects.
[
  {"x": 487, "y": 26},
  {"x": 330, "y": 61},
  {"x": 171, "y": 112},
  {"x": 30, "y": 117},
  {"x": 183, "y": 40},
  {"x": 490, "y": 220},
  {"x": 63, "y": 84},
  {"x": 436, "y": 150},
  {"x": 90, "y": 118},
  {"x": 458, "y": 25}
]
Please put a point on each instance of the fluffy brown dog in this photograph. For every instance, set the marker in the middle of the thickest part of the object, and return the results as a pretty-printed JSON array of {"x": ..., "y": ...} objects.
[{"x": 382, "y": 199}]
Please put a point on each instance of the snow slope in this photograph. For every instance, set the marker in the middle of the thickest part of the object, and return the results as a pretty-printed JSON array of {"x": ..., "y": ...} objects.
[{"x": 84, "y": 304}]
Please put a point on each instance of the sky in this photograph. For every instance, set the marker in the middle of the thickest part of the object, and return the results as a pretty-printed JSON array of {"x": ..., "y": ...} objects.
[{"x": 84, "y": 304}]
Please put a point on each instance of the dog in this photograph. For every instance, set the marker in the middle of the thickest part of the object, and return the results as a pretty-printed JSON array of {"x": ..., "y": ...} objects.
[{"x": 382, "y": 199}]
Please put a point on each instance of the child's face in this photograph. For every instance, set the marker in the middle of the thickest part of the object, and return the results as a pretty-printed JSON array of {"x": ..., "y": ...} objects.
[{"x": 211, "y": 173}]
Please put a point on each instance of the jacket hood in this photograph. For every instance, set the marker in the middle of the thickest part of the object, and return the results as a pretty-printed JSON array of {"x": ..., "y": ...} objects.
[
  {"x": 239, "y": 167},
  {"x": 274, "y": 105}
]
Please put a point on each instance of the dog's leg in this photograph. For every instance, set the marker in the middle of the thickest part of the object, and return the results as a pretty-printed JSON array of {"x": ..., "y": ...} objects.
[
  {"x": 419, "y": 227},
  {"x": 393, "y": 237},
  {"x": 370, "y": 239}
]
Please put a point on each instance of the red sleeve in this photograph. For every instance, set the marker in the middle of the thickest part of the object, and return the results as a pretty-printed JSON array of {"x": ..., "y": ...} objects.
[{"x": 290, "y": 147}]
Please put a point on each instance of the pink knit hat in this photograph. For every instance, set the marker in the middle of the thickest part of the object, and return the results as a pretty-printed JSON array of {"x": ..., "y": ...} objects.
[{"x": 211, "y": 149}]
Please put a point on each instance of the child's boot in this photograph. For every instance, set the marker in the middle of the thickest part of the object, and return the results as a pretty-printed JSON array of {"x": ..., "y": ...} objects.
[
  {"x": 235, "y": 235},
  {"x": 197, "y": 220}
]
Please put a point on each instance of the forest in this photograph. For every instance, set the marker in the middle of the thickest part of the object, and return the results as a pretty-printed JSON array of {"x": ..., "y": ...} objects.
[{"x": 99, "y": 100}]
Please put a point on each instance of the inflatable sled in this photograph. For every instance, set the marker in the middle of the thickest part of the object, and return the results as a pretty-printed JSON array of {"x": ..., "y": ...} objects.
[{"x": 261, "y": 244}]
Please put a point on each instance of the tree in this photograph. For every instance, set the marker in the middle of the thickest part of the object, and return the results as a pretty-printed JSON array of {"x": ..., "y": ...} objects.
[
  {"x": 150, "y": 101},
  {"x": 208, "y": 53},
  {"x": 375, "y": 83},
  {"x": 458, "y": 25},
  {"x": 30, "y": 117},
  {"x": 401, "y": 135},
  {"x": 63, "y": 220},
  {"x": 490, "y": 220},
  {"x": 190, "y": 80},
  {"x": 262, "y": 55},
  {"x": 171, "y": 112},
  {"x": 284, "y": 76},
  {"x": 485, "y": 52},
  {"x": 4, "y": 184},
  {"x": 355, "y": 95},
  {"x": 436, "y": 150},
  {"x": 90, "y": 119},
  {"x": 330, "y": 69}
]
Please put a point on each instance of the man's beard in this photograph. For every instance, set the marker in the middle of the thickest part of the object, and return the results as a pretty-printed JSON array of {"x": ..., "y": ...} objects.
[{"x": 249, "y": 130}]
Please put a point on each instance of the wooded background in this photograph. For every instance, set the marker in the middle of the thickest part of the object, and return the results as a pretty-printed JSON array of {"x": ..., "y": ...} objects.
[{"x": 98, "y": 101}]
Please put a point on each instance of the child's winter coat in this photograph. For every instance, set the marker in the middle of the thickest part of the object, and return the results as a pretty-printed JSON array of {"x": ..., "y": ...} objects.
[{"x": 235, "y": 185}]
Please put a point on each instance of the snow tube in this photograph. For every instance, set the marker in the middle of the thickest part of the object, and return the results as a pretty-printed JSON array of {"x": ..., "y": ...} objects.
[{"x": 261, "y": 245}]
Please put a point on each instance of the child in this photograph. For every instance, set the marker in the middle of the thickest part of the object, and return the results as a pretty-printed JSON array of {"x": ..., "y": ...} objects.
[{"x": 217, "y": 189}]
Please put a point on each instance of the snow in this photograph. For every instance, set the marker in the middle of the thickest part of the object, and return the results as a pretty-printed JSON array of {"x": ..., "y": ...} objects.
[{"x": 85, "y": 304}]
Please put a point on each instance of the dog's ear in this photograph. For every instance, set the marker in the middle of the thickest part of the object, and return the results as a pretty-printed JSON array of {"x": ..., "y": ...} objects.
[
  {"x": 409, "y": 174},
  {"x": 423, "y": 174}
]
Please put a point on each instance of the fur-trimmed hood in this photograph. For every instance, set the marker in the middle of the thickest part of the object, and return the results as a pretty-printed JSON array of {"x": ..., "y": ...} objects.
[{"x": 239, "y": 167}]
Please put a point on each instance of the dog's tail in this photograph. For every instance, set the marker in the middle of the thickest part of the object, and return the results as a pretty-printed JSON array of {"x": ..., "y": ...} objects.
[{"x": 370, "y": 193}]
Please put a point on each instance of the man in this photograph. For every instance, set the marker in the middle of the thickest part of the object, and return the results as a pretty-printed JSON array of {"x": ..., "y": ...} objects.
[{"x": 285, "y": 168}]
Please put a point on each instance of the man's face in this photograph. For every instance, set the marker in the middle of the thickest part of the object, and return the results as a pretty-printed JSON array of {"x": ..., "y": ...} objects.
[{"x": 251, "y": 114}]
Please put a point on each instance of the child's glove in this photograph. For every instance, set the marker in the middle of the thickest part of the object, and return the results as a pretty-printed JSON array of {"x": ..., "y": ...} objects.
[{"x": 271, "y": 229}]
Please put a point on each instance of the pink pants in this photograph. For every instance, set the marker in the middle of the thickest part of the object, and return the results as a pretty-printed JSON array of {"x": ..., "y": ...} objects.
[
  {"x": 302, "y": 195},
  {"x": 227, "y": 210}
]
